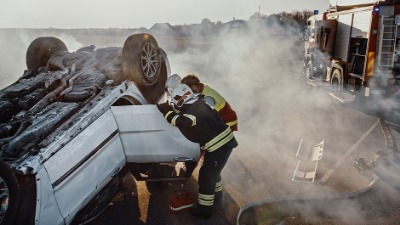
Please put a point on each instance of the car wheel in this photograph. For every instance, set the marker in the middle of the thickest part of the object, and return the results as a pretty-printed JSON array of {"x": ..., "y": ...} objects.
[
  {"x": 40, "y": 51},
  {"x": 9, "y": 195},
  {"x": 154, "y": 92},
  {"x": 141, "y": 59}
]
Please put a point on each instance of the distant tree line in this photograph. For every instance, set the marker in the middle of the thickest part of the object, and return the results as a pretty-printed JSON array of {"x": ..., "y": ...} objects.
[
  {"x": 295, "y": 18},
  {"x": 283, "y": 23}
]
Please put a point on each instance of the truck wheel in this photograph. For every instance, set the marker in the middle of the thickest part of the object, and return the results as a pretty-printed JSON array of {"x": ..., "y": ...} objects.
[
  {"x": 9, "y": 195},
  {"x": 141, "y": 59},
  {"x": 40, "y": 51},
  {"x": 337, "y": 81}
]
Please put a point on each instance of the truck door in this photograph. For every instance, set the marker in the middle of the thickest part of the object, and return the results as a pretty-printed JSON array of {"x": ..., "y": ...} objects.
[
  {"x": 325, "y": 36},
  {"x": 343, "y": 36}
]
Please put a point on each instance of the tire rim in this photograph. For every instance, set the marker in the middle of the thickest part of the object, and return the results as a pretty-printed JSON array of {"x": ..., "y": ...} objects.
[
  {"x": 149, "y": 60},
  {"x": 4, "y": 197}
]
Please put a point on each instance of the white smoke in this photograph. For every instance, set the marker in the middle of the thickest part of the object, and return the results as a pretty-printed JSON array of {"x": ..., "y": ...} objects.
[
  {"x": 13, "y": 46},
  {"x": 258, "y": 71}
]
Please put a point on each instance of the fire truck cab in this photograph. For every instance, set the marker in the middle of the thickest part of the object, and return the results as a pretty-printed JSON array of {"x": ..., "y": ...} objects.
[{"x": 355, "y": 48}]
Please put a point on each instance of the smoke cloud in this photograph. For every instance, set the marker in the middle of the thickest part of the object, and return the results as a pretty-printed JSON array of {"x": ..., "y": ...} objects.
[
  {"x": 14, "y": 44},
  {"x": 259, "y": 72}
]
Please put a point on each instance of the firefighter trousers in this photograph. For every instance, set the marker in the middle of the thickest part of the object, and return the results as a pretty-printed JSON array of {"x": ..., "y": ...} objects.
[{"x": 210, "y": 174}]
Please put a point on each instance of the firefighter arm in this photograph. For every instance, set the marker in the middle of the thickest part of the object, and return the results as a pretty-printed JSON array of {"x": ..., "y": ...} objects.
[
  {"x": 180, "y": 120},
  {"x": 229, "y": 116}
]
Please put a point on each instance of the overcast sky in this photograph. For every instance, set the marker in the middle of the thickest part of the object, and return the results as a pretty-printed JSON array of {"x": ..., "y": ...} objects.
[{"x": 138, "y": 13}]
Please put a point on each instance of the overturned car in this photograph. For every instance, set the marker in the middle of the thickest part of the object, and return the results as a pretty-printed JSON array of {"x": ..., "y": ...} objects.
[{"x": 76, "y": 122}]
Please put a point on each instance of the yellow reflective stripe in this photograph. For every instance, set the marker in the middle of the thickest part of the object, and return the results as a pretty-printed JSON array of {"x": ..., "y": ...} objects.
[
  {"x": 173, "y": 121},
  {"x": 192, "y": 118},
  {"x": 221, "y": 143},
  {"x": 206, "y": 203},
  {"x": 206, "y": 197},
  {"x": 232, "y": 123},
  {"x": 216, "y": 139},
  {"x": 218, "y": 186},
  {"x": 206, "y": 200},
  {"x": 167, "y": 114}
]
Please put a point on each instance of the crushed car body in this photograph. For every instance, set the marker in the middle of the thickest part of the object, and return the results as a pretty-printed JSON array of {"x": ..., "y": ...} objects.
[{"x": 76, "y": 122}]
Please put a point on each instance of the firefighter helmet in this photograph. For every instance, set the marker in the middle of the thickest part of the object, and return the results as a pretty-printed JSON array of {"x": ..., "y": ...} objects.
[
  {"x": 183, "y": 95},
  {"x": 172, "y": 82}
]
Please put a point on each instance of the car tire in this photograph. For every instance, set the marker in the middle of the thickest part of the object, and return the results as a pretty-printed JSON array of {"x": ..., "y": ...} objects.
[
  {"x": 9, "y": 195},
  {"x": 141, "y": 59},
  {"x": 154, "y": 92},
  {"x": 40, "y": 51}
]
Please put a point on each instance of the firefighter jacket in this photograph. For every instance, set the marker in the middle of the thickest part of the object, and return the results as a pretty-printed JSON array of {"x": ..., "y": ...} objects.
[
  {"x": 201, "y": 124},
  {"x": 221, "y": 105}
]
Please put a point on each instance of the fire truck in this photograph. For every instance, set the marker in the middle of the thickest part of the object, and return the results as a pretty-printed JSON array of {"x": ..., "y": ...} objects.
[{"x": 355, "y": 48}]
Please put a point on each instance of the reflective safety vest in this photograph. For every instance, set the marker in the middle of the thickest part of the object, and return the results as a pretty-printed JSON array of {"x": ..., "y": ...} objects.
[
  {"x": 219, "y": 100},
  {"x": 222, "y": 106}
]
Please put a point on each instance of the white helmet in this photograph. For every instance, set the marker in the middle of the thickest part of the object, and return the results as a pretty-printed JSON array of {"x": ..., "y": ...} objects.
[
  {"x": 172, "y": 82},
  {"x": 183, "y": 95}
]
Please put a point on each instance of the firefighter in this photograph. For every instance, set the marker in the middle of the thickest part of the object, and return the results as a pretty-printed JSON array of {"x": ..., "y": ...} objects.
[
  {"x": 172, "y": 82},
  {"x": 213, "y": 98},
  {"x": 200, "y": 123}
]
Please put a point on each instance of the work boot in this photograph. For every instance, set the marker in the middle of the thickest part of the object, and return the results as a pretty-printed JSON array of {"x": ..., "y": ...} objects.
[
  {"x": 201, "y": 211},
  {"x": 218, "y": 197}
]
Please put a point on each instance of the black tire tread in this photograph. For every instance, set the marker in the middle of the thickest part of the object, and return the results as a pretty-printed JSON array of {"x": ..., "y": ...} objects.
[{"x": 40, "y": 51}]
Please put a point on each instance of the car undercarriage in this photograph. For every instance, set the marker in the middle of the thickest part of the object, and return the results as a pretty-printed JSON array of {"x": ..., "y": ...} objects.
[{"x": 75, "y": 122}]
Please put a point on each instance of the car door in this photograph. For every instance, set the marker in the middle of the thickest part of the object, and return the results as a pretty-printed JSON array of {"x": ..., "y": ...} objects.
[
  {"x": 147, "y": 137},
  {"x": 85, "y": 165}
]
